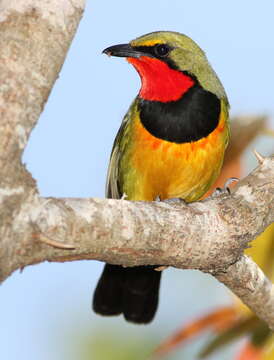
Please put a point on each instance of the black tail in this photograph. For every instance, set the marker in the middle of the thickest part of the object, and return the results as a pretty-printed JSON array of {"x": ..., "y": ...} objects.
[{"x": 132, "y": 291}]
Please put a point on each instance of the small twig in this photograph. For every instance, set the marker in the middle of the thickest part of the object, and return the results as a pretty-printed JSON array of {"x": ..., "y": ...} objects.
[
  {"x": 259, "y": 157},
  {"x": 56, "y": 244}
]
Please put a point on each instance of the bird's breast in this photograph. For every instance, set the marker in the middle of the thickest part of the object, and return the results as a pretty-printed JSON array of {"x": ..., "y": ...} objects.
[{"x": 168, "y": 169}]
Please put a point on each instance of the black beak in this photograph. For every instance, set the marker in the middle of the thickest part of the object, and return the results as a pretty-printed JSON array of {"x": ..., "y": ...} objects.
[{"x": 122, "y": 50}]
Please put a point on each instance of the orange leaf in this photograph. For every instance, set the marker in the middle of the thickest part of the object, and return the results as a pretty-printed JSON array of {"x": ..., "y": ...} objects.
[{"x": 218, "y": 320}]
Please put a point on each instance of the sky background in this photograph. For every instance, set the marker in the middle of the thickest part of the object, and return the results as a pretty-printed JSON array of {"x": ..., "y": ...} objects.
[{"x": 45, "y": 311}]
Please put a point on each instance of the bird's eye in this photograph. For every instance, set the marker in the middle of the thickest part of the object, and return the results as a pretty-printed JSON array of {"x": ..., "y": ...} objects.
[{"x": 161, "y": 50}]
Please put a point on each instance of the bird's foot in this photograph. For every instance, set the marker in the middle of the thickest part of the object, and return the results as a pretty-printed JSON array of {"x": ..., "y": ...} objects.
[
  {"x": 124, "y": 196},
  {"x": 225, "y": 190}
]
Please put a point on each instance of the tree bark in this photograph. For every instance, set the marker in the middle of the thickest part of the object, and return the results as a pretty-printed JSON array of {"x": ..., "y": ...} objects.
[{"x": 209, "y": 235}]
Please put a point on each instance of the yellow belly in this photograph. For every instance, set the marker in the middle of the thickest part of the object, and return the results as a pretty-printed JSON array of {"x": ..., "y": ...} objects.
[{"x": 169, "y": 170}]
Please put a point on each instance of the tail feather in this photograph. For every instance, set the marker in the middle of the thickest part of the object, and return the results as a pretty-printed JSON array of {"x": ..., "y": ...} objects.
[
  {"x": 131, "y": 291},
  {"x": 140, "y": 296},
  {"x": 107, "y": 296}
]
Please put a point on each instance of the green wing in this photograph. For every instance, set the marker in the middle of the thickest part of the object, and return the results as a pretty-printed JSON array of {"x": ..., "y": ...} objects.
[{"x": 114, "y": 186}]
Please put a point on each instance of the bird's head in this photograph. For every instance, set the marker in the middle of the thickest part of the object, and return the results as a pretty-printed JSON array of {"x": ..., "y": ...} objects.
[{"x": 168, "y": 63}]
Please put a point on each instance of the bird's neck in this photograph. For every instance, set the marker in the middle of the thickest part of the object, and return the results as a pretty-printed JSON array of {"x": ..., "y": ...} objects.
[{"x": 159, "y": 81}]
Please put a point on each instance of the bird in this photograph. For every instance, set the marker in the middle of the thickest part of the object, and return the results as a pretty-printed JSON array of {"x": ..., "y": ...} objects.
[{"x": 170, "y": 145}]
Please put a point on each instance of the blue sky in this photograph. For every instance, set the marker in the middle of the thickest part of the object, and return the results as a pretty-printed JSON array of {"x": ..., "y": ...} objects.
[{"x": 69, "y": 149}]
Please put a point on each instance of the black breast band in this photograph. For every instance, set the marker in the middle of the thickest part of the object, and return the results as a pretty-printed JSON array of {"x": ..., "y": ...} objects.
[{"x": 194, "y": 116}]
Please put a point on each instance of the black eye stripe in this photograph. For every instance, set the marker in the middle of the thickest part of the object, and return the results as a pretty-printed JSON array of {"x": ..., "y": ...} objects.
[
  {"x": 150, "y": 51},
  {"x": 154, "y": 51},
  {"x": 147, "y": 50}
]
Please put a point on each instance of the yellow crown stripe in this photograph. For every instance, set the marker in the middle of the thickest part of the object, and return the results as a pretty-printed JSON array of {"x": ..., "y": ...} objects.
[{"x": 147, "y": 42}]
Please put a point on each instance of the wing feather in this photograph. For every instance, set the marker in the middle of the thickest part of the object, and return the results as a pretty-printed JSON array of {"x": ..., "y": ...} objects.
[{"x": 113, "y": 183}]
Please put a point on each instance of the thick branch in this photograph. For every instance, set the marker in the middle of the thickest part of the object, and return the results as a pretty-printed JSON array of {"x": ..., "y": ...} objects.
[
  {"x": 209, "y": 235},
  {"x": 35, "y": 37}
]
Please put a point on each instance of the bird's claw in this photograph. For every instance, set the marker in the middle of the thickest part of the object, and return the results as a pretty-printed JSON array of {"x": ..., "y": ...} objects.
[
  {"x": 225, "y": 190},
  {"x": 124, "y": 196}
]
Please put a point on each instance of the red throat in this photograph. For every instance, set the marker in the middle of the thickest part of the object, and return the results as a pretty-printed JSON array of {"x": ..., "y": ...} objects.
[{"x": 159, "y": 81}]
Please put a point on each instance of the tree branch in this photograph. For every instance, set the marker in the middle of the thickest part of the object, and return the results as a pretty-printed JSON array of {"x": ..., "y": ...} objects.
[
  {"x": 247, "y": 281},
  {"x": 209, "y": 235}
]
